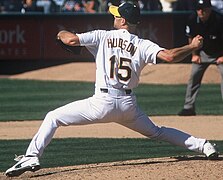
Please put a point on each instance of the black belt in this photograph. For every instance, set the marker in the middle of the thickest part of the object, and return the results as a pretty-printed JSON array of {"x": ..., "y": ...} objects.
[{"x": 127, "y": 91}]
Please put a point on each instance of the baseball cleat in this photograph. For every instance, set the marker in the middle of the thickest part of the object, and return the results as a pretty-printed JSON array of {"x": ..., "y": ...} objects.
[
  {"x": 25, "y": 163},
  {"x": 187, "y": 112},
  {"x": 210, "y": 151}
]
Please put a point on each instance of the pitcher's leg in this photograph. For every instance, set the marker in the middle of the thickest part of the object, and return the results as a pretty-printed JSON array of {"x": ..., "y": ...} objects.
[
  {"x": 74, "y": 113},
  {"x": 180, "y": 138},
  {"x": 42, "y": 137},
  {"x": 145, "y": 126}
]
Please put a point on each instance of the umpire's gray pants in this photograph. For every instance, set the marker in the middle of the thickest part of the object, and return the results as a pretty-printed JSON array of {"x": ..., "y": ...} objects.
[{"x": 194, "y": 82}]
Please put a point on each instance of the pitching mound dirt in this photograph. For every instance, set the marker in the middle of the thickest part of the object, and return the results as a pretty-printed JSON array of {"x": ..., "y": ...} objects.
[
  {"x": 209, "y": 127},
  {"x": 179, "y": 168}
]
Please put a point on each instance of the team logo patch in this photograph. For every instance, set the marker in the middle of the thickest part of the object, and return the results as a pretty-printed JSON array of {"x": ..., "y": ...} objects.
[{"x": 187, "y": 29}]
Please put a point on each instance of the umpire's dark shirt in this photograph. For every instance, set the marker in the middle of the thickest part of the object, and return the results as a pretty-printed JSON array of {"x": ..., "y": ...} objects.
[{"x": 212, "y": 32}]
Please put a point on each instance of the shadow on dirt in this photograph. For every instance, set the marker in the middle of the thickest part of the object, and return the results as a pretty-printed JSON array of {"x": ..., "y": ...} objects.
[{"x": 194, "y": 158}]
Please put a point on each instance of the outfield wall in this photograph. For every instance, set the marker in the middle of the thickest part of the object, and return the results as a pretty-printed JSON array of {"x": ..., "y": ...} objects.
[{"x": 27, "y": 41}]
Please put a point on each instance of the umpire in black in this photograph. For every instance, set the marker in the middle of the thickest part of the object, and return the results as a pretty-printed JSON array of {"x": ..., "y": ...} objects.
[{"x": 208, "y": 24}]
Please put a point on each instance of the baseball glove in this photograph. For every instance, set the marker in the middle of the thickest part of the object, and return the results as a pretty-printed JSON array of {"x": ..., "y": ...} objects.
[{"x": 73, "y": 49}]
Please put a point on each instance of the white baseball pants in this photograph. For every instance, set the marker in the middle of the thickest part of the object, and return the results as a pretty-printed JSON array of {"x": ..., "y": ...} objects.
[{"x": 104, "y": 108}]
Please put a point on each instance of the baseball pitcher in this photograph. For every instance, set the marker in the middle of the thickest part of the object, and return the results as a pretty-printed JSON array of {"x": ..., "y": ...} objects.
[{"x": 120, "y": 56}]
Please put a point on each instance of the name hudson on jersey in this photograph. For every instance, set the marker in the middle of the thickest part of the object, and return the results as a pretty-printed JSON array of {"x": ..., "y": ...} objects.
[{"x": 123, "y": 44}]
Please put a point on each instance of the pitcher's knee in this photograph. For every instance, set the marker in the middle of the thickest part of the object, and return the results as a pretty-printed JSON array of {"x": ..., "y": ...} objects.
[
  {"x": 52, "y": 118},
  {"x": 154, "y": 132}
]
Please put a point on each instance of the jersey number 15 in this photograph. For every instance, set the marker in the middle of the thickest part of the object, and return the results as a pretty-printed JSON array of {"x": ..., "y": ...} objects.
[{"x": 124, "y": 70}]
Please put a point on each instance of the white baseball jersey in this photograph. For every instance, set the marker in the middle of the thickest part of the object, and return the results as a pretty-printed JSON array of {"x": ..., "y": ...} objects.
[{"x": 120, "y": 56}]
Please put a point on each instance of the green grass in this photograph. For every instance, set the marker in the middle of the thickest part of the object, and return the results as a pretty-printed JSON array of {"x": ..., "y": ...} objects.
[
  {"x": 24, "y": 99},
  {"x": 76, "y": 151},
  {"x": 28, "y": 99},
  {"x": 169, "y": 99}
]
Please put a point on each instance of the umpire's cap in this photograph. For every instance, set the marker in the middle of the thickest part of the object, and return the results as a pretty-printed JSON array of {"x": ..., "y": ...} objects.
[
  {"x": 129, "y": 11},
  {"x": 203, "y": 4}
]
